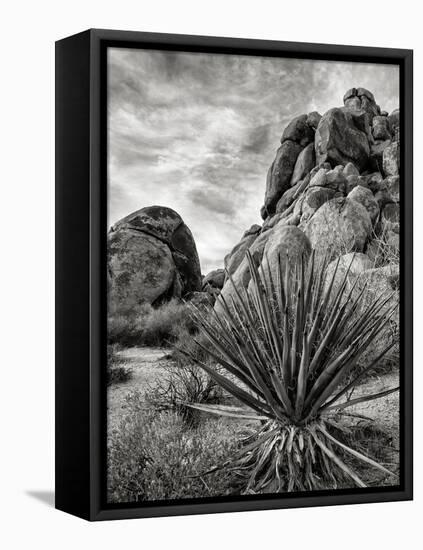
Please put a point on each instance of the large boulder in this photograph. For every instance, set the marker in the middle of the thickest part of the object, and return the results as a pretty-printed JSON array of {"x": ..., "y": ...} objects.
[
  {"x": 152, "y": 257},
  {"x": 342, "y": 137},
  {"x": 289, "y": 167},
  {"x": 360, "y": 99},
  {"x": 140, "y": 267},
  {"x": 299, "y": 130},
  {"x": 339, "y": 226},
  {"x": 305, "y": 162},
  {"x": 288, "y": 242},
  {"x": 279, "y": 175}
]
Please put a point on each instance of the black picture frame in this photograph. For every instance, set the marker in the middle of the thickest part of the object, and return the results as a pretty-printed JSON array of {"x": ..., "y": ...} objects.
[{"x": 81, "y": 131}]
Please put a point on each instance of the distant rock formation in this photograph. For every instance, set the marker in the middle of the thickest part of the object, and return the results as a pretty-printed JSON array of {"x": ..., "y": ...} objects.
[{"x": 152, "y": 258}]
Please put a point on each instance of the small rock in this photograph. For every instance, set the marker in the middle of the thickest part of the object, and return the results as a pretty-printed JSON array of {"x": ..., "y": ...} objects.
[
  {"x": 272, "y": 221},
  {"x": 394, "y": 123},
  {"x": 253, "y": 230},
  {"x": 376, "y": 154},
  {"x": 350, "y": 170},
  {"x": 383, "y": 197},
  {"x": 287, "y": 198},
  {"x": 380, "y": 128},
  {"x": 336, "y": 180},
  {"x": 374, "y": 182},
  {"x": 313, "y": 200},
  {"x": 319, "y": 179},
  {"x": 391, "y": 159},
  {"x": 365, "y": 197},
  {"x": 313, "y": 119},
  {"x": 393, "y": 186},
  {"x": 215, "y": 278},
  {"x": 352, "y": 181}
]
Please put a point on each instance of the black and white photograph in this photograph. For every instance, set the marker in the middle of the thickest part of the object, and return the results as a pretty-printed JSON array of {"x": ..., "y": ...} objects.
[{"x": 253, "y": 275}]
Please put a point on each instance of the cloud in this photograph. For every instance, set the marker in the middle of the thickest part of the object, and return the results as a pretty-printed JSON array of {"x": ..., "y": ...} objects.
[{"x": 197, "y": 132}]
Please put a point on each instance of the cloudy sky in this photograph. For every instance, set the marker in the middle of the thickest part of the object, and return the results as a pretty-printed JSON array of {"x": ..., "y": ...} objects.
[{"x": 197, "y": 132}]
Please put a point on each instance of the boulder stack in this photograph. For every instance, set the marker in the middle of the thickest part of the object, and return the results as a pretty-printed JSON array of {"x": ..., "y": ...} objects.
[{"x": 334, "y": 187}]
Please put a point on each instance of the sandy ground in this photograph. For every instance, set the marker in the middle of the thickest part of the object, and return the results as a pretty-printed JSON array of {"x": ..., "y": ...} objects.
[
  {"x": 385, "y": 411},
  {"x": 146, "y": 365}
]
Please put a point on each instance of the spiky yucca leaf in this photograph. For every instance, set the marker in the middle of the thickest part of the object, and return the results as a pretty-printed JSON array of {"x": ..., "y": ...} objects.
[{"x": 288, "y": 344}]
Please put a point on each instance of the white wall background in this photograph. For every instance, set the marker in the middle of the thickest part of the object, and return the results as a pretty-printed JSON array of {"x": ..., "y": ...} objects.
[{"x": 28, "y": 32}]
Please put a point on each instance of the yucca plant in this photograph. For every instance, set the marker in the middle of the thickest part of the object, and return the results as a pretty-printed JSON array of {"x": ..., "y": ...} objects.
[{"x": 287, "y": 345}]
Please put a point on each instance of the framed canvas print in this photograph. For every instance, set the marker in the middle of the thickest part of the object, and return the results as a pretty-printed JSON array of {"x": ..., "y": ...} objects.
[{"x": 234, "y": 274}]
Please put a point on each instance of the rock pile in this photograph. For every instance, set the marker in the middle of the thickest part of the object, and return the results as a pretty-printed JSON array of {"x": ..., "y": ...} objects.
[{"x": 334, "y": 187}]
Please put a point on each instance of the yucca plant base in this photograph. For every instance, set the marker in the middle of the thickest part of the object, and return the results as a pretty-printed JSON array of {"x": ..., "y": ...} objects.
[
  {"x": 288, "y": 349},
  {"x": 291, "y": 458}
]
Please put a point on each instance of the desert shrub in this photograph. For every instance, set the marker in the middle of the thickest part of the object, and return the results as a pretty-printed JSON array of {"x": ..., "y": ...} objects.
[
  {"x": 149, "y": 326},
  {"x": 119, "y": 373},
  {"x": 291, "y": 340},
  {"x": 181, "y": 386},
  {"x": 152, "y": 456},
  {"x": 117, "y": 369},
  {"x": 164, "y": 324}
]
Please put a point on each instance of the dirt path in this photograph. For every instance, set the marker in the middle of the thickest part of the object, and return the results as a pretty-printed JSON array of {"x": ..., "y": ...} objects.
[{"x": 146, "y": 365}]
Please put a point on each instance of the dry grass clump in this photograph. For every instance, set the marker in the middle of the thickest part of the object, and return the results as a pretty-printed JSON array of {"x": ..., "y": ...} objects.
[{"x": 384, "y": 249}]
